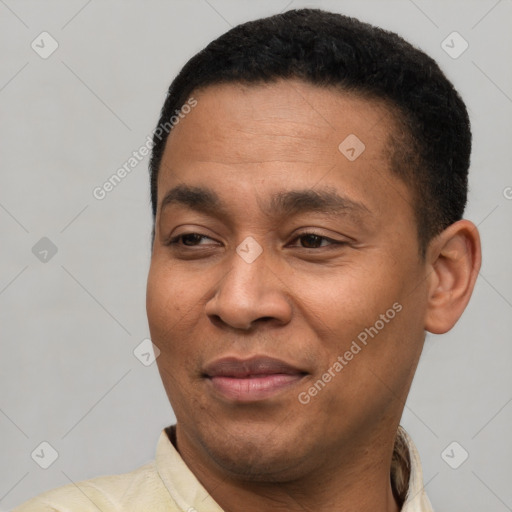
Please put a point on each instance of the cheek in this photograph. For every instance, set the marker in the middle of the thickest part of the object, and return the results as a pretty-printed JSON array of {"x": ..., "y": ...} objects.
[
  {"x": 346, "y": 300},
  {"x": 172, "y": 304},
  {"x": 161, "y": 307},
  {"x": 171, "y": 317},
  {"x": 367, "y": 313}
]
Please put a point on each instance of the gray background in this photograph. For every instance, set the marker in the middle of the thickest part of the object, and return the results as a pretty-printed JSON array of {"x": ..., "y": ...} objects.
[{"x": 69, "y": 326}]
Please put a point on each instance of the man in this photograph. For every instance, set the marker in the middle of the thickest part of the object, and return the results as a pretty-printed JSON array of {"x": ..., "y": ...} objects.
[{"x": 308, "y": 232}]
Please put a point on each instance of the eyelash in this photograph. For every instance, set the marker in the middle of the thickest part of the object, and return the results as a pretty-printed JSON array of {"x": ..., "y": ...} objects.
[{"x": 175, "y": 241}]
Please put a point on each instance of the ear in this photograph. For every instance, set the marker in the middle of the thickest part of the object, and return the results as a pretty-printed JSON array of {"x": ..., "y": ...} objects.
[{"x": 453, "y": 261}]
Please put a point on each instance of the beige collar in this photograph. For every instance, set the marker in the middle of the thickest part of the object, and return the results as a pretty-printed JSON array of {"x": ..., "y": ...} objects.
[{"x": 191, "y": 496}]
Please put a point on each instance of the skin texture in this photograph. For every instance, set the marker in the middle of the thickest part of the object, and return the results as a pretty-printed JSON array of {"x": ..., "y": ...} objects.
[{"x": 304, "y": 300}]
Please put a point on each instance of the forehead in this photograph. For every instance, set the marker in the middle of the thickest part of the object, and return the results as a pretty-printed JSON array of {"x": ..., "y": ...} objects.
[
  {"x": 268, "y": 116},
  {"x": 283, "y": 134}
]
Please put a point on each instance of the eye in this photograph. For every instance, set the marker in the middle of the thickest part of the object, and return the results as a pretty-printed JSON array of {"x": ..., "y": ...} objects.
[
  {"x": 188, "y": 239},
  {"x": 308, "y": 240},
  {"x": 314, "y": 241}
]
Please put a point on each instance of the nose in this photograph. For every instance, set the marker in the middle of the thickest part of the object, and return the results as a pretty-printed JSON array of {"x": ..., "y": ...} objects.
[{"x": 249, "y": 293}]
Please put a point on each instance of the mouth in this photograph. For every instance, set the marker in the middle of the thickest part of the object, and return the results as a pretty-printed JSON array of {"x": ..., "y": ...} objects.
[{"x": 251, "y": 380}]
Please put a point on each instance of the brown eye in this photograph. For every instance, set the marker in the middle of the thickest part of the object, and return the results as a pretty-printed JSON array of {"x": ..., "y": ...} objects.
[
  {"x": 191, "y": 238},
  {"x": 316, "y": 241},
  {"x": 188, "y": 239},
  {"x": 311, "y": 241}
]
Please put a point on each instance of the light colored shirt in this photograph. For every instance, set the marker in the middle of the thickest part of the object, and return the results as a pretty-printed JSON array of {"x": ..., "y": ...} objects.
[{"x": 166, "y": 484}]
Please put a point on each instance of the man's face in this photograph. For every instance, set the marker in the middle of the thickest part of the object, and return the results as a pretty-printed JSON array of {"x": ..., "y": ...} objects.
[{"x": 265, "y": 273}]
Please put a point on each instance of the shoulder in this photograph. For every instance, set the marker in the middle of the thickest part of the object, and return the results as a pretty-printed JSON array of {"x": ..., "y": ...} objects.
[{"x": 141, "y": 489}]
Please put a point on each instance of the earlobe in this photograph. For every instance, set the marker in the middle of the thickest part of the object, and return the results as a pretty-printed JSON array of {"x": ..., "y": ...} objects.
[{"x": 454, "y": 258}]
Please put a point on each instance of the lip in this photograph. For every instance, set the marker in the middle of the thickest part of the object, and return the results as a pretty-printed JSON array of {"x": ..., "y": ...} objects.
[{"x": 251, "y": 380}]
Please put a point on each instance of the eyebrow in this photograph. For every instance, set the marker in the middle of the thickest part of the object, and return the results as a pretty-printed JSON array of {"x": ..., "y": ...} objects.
[{"x": 281, "y": 204}]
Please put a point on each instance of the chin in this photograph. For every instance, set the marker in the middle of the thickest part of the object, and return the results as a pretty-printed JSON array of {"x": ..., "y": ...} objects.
[
  {"x": 258, "y": 464},
  {"x": 259, "y": 453}
]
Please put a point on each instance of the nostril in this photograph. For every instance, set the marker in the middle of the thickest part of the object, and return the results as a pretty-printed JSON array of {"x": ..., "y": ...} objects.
[{"x": 216, "y": 319}]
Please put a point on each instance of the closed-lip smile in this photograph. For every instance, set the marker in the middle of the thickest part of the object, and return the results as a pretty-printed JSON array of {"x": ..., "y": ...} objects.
[{"x": 250, "y": 380}]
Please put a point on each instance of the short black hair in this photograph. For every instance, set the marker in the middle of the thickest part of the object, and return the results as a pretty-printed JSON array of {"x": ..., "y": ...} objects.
[{"x": 432, "y": 136}]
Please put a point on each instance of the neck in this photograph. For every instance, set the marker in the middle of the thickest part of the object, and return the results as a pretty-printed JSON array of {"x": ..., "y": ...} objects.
[{"x": 360, "y": 483}]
